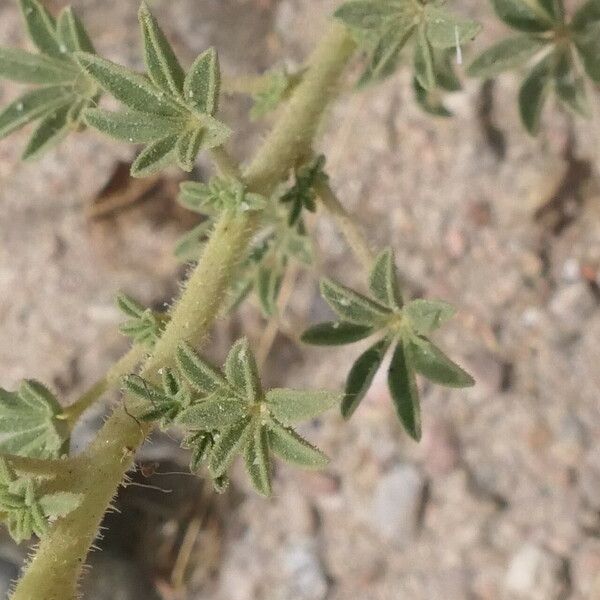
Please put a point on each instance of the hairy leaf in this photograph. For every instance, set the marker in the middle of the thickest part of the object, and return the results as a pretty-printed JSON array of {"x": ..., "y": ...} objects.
[
  {"x": 133, "y": 90},
  {"x": 291, "y": 406},
  {"x": 511, "y": 52},
  {"x": 256, "y": 459},
  {"x": 446, "y": 30},
  {"x": 403, "y": 389},
  {"x": 588, "y": 44},
  {"x": 30, "y": 106},
  {"x": 423, "y": 62},
  {"x": 361, "y": 376},
  {"x": 228, "y": 444},
  {"x": 29, "y": 425},
  {"x": 268, "y": 285},
  {"x": 242, "y": 372},
  {"x": 49, "y": 132},
  {"x": 162, "y": 64},
  {"x": 522, "y": 15},
  {"x": 41, "y": 27},
  {"x": 586, "y": 16},
  {"x": 336, "y": 333},
  {"x": 200, "y": 375},
  {"x": 533, "y": 94},
  {"x": 154, "y": 157},
  {"x": 570, "y": 87},
  {"x": 367, "y": 14},
  {"x": 431, "y": 362},
  {"x": 292, "y": 448},
  {"x": 383, "y": 280},
  {"x": 188, "y": 146},
  {"x": 202, "y": 83},
  {"x": 352, "y": 306},
  {"x": 221, "y": 409},
  {"x": 426, "y": 316},
  {"x": 25, "y": 67},
  {"x": 132, "y": 126},
  {"x": 60, "y": 504},
  {"x": 72, "y": 34}
]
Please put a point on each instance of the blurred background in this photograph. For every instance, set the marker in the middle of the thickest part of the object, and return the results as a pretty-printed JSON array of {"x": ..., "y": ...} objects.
[{"x": 502, "y": 497}]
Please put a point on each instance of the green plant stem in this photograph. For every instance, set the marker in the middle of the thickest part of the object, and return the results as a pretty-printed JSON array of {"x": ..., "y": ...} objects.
[
  {"x": 347, "y": 225},
  {"x": 125, "y": 365},
  {"x": 55, "y": 568}
]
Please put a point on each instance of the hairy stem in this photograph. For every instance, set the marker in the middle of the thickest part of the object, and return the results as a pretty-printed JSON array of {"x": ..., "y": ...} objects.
[
  {"x": 347, "y": 225},
  {"x": 55, "y": 568}
]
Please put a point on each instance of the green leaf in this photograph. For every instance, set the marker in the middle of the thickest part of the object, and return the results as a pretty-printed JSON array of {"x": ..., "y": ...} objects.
[
  {"x": 189, "y": 246},
  {"x": 200, "y": 375},
  {"x": 276, "y": 87},
  {"x": 129, "y": 307},
  {"x": 133, "y": 90},
  {"x": 336, "y": 333},
  {"x": 291, "y": 406},
  {"x": 443, "y": 68},
  {"x": 256, "y": 458},
  {"x": 586, "y": 16},
  {"x": 30, "y": 106},
  {"x": 523, "y": 15},
  {"x": 49, "y": 132},
  {"x": 28, "y": 422},
  {"x": 202, "y": 83},
  {"x": 242, "y": 372},
  {"x": 41, "y": 27},
  {"x": 221, "y": 409},
  {"x": 570, "y": 88},
  {"x": 72, "y": 34},
  {"x": 588, "y": 46},
  {"x": 268, "y": 284},
  {"x": 383, "y": 280},
  {"x": 200, "y": 443},
  {"x": 132, "y": 126},
  {"x": 139, "y": 387},
  {"x": 403, "y": 389},
  {"x": 24, "y": 67},
  {"x": 352, "y": 306},
  {"x": 429, "y": 101},
  {"x": 423, "y": 62},
  {"x": 228, "y": 444},
  {"x": 426, "y": 316},
  {"x": 446, "y": 30},
  {"x": 367, "y": 14},
  {"x": 385, "y": 57},
  {"x": 533, "y": 94},
  {"x": 292, "y": 448},
  {"x": 507, "y": 54},
  {"x": 361, "y": 376},
  {"x": 188, "y": 146},
  {"x": 431, "y": 362},
  {"x": 154, "y": 157},
  {"x": 215, "y": 132},
  {"x": 60, "y": 504},
  {"x": 162, "y": 64}
]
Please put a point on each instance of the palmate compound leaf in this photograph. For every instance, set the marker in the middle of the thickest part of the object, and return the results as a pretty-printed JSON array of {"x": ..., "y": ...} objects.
[
  {"x": 143, "y": 326},
  {"x": 30, "y": 423},
  {"x": 179, "y": 110},
  {"x": 361, "y": 376},
  {"x": 353, "y": 307},
  {"x": 216, "y": 412}
]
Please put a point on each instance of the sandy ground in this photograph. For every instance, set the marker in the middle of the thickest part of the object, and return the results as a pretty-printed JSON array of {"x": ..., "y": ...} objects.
[{"x": 502, "y": 497}]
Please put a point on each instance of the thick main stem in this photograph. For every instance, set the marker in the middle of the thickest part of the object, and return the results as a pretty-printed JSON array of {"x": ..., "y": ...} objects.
[{"x": 56, "y": 566}]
